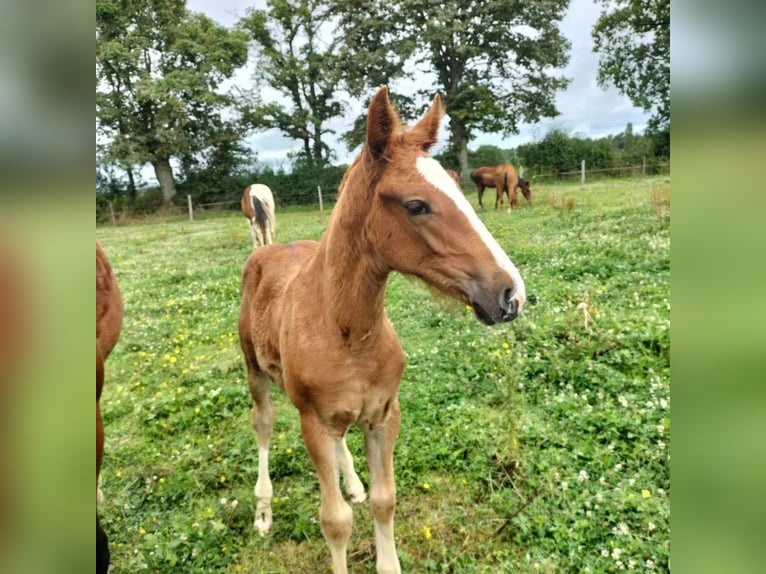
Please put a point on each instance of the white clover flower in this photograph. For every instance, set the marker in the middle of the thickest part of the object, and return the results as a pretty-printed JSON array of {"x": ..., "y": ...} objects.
[
  {"x": 623, "y": 401},
  {"x": 604, "y": 552},
  {"x": 583, "y": 476},
  {"x": 564, "y": 485},
  {"x": 650, "y": 564},
  {"x": 616, "y": 553},
  {"x": 660, "y": 429},
  {"x": 651, "y": 526}
]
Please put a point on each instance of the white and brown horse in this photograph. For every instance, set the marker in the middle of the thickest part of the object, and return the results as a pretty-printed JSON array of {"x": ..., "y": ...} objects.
[
  {"x": 258, "y": 206},
  {"x": 108, "y": 326},
  {"x": 504, "y": 178},
  {"x": 312, "y": 318}
]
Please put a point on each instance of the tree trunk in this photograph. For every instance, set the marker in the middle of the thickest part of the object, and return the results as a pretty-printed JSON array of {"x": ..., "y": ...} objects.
[
  {"x": 164, "y": 174},
  {"x": 460, "y": 140},
  {"x": 131, "y": 185},
  {"x": 318, "y": 145}
]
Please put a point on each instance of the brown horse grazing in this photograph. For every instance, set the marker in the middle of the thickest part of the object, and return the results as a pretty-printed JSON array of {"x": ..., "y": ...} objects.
[
  {"x": 108, "y": 326},
  {"x": 454, "y": 175},
  {"x": 504, "y": 178},
  {"x": 312, "y": 318},
  {"x": 257, "y": 205}
]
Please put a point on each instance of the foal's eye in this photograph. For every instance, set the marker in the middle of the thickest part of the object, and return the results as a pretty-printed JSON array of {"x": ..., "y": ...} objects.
[{"x": 417, "y": 207}]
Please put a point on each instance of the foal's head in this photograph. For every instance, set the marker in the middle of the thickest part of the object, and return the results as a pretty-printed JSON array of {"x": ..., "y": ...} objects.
[
  {"x": 524, "y": 187},
  {"x": 420, "y": 223}
]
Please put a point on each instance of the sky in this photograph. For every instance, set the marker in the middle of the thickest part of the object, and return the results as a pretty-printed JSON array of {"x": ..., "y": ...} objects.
[{"x": 585, "y": 108}]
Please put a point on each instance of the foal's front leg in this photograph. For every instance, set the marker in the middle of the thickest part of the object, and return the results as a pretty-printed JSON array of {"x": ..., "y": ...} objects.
[
  {"x": 379, "y": 444},
  {"x": 335, "y": 514}
]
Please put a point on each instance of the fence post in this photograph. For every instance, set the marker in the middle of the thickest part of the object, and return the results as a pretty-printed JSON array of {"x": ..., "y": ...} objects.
[
  {"x": 191, "y": 209},
  {"x": 582, "y": 172},
  {"x": 521, "y": 171},
  {"x": 643, "y": 167},
  {"x": 319, "y": 193},
  {"x": 111, "y": 211}
]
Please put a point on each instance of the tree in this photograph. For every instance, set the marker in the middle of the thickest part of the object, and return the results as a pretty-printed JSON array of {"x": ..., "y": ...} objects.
[
  {"x": 297, "y": 57},
  {"x": 492, "y": 60},
  {"x": 158, "y": 72},
  {"x": 632, "y": 38}
]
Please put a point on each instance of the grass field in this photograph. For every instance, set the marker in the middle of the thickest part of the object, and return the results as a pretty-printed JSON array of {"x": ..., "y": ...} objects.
[{"x": 537, "y": 446}]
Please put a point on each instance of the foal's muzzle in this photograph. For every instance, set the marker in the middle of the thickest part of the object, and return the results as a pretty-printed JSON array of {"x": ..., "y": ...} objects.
[{"x": 501, "y": 308}]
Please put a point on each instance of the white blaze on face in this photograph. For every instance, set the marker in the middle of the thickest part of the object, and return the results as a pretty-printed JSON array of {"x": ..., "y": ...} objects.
[{"x": 435, "y": 174}]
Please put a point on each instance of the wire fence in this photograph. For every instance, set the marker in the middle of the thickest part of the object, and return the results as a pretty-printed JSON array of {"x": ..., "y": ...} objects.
[{"x": 326, "y": 198}]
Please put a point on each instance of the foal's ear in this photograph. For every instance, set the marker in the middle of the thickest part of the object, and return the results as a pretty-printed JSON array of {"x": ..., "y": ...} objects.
[
  {"x": 425, "y": 133},
  {"x": 381, "y": 123}
]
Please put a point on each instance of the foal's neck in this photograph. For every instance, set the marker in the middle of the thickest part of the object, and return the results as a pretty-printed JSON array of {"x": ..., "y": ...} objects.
[{"x": 353, "y": 280}]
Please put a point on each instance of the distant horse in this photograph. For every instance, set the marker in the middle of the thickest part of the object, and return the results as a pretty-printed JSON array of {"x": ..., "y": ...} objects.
[
  {"x": 108, "y": 326},
  {"x": 504, "y": 178},
  {"x": 312, "y": 318},
  {"x": 454, "y": 175},
  {"x": 258, "y": 206}
]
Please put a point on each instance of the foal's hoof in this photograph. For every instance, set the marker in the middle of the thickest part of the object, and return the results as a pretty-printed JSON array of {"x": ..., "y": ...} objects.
[
  {"x": 357, "y": 495},
  {"x": 263, "y": 524}
]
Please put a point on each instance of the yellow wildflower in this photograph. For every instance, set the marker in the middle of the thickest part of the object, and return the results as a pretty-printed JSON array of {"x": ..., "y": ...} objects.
[
  {"x": 506, "y": 345},
  {"x": 645, "y": 494},
  {"x": 222, "y": 479},
  {"x": 426, "y": 486},
  {"x": 426, "y": 533}
]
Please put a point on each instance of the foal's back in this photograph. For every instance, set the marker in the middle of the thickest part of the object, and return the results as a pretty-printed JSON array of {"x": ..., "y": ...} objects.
[{"x": 266, "y": 275}]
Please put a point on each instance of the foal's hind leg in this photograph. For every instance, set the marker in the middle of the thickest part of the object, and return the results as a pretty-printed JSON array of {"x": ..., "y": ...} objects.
[
  {"x": 263, "y": 423},
  {"x": 354, "y": 486}
]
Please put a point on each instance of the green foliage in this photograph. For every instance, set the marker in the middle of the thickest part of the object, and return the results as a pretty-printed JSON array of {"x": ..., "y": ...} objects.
[
  {"x": 559, "y": 153},
  {"x": 296, "y": 60},
  {"x": 158, "y": 72},
  {"x": 493, "y": 60},
  {"x": 632, "y": 38},
  {"x": 537, "y": 446}
]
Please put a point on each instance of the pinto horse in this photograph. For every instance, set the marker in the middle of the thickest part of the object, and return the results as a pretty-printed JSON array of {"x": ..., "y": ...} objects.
[
  {"x": 108, "y": 326},
  {"x": 504, "y": 178},
  {"x": 312, "y": 318},
  {"x": 258, "y": 206}
]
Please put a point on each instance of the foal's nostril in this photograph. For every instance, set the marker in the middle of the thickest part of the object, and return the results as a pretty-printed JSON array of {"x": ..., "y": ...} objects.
[
  {"x": 513, "y": 307},
  {"x": 505, "y": 299}
]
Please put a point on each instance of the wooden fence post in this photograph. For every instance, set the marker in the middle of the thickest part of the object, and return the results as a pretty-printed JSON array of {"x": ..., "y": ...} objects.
[
  {"x": 582, "y": 172},
  {"x": 643, "y": 167},
  {"x": 521, "y": 171},
  {"x": 191, "y": 209},
  {"x": 111, "y": 212},
  {"x": 319, "y": 193}
]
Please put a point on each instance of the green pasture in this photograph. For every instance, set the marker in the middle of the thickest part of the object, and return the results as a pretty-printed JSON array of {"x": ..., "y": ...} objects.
[{"x": 536, "y": 446}]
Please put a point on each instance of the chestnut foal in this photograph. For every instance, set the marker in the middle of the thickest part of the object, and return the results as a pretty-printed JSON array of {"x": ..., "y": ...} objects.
[
  {"x": 108, "y": 326},
  {"x": 312, "y": 317}
]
